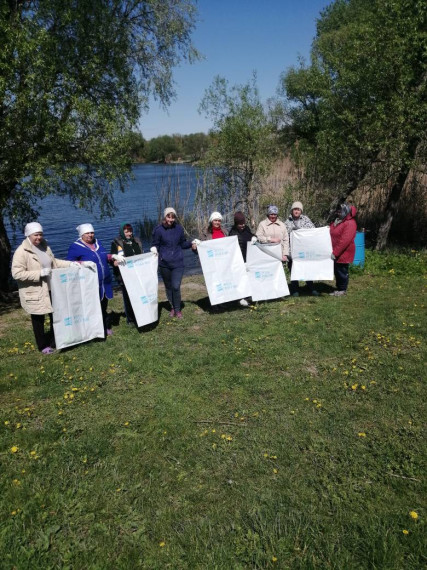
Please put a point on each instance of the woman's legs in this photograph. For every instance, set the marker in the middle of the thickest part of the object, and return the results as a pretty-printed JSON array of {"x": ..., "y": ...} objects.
[
  {"x": 341, "y": 275},
  {"x": 104, "y": 305},
  {"x": 130, "y": 316},
  {"x": 172, "y": 279},
  {"x": 43, "y": 340}
]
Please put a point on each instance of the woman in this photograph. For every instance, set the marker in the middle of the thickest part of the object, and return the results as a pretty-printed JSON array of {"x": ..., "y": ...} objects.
[
  {"x": 32, "y": 266},
  {"x": 273, "y": 230},
  {"x": 87, "y": 248},
  {"x": 167, "y": 242},
  {"x": 296, "y": 221},
  {"x": 214, "y": 230},
  {"x": 343, "y": 231},
  {"x": 126, "y": 245},
  {"x": 244, "y": 236}
]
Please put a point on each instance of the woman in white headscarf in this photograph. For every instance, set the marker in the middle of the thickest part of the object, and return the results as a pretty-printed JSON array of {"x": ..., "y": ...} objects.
[
  {"x": 32, "y": 266},
  {"x": 88, "y": 249}
]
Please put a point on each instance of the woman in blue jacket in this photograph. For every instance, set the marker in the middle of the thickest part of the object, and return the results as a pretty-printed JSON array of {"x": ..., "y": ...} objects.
[
  {"x": 87, "y": 248},
  {"x": 168, "y": 241}
]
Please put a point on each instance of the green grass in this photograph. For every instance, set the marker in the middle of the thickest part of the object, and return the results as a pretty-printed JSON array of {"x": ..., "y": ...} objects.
[{"x": 289, "y": 435}]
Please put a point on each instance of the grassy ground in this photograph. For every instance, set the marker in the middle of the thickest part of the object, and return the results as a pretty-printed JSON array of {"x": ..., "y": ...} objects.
[{"x": 289, "y": 435}]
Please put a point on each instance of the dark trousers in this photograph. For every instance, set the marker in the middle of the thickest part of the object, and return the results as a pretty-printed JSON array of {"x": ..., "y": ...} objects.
[
  {"x": 294, "y": 285},
  {"x": 105, "y": 320},
  {"x": 130, "y": 315},
  {"x": 172, "y": 279},
  {"x": 341, "y": 275},
  {"x": 43, "y": 339}
]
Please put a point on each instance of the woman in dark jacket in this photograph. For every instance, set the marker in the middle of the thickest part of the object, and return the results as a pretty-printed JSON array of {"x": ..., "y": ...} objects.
[
  {"x": 126, "y": 245},
  {"x": 244, "y": 236},
  {"x": 168, "y": 241},
  {"x": 343, "y": 231}
]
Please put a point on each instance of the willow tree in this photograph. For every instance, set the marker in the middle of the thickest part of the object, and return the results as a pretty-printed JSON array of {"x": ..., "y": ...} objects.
[
  {"x": 242, "y": 147},
  {"x": 74, "y": 78},
  {"x": 359, "y": 108}
]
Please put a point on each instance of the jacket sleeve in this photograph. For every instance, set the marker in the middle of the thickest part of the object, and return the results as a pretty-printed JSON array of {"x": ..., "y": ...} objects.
[
  {"x": 155, "y": 238},
  {"x": 184, "y": 243},
  {"x": 285, "y": 241},
  {"x": 73, "y": 253},
  {"x": 60, "y": 263},
  {"x": 261, "y": 233},
  {"x": 19, "y": 268},
  {"x": 114, "y": 248},
  {"x": 346, "y": 236}
]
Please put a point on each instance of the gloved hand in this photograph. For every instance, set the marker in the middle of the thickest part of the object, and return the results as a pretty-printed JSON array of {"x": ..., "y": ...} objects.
[
  {"x": 154, "y": 250},
  {"x": 45, "y": 272},
  {"x": 254, "y": 240},
  {"x": 196, "y": 242},
  {"x": 89, "y": 264},
  {"x": 75, "y": 264},
  {"x": 333, "y": 256},
  {"x": 121, "y": 260}
]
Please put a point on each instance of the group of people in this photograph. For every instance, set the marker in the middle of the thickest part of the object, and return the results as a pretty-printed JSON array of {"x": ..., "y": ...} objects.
[{"x": 33, "y": 260}]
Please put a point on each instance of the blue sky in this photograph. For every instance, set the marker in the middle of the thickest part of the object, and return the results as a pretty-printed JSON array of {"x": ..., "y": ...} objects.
[{"x": 236, "y": 37}]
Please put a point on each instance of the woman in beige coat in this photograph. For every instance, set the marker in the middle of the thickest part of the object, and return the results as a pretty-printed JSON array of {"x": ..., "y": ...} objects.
[{"x": 32, "y": 265}]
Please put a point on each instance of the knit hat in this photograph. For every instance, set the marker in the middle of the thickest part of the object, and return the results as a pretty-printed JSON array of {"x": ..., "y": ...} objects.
[
  {"x": 169, "y": 211},
  {"x": 215, "y": 216},
  {"x": 297, "y": 205},
  {"x": 32, "y": 228},
  {"x": 272, "y": 210},
  {"x": 84, "y": 229},
  {"x": 239, "y": 218}
]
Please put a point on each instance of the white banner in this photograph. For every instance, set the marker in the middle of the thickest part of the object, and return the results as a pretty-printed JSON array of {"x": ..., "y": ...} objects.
[
  {"x": 265, "y": 270},
  {"x": 77, "y": 313},
  {"x": 224, "y": 270},
  {"x": 311, "y": 250},
  {"x": 142, "y": 284}
]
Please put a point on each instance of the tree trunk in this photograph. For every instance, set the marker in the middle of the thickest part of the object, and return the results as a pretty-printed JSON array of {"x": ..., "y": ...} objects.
[
  {"x": 391, "y": 208},
  {"x": 4, "y": 259}
]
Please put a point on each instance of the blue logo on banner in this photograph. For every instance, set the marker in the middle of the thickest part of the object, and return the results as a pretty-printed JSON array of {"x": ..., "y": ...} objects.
[
  {"x": 129, "y": 264},
  {"x": 63, "y": 278},
  {"x": 68, "y": 321}
]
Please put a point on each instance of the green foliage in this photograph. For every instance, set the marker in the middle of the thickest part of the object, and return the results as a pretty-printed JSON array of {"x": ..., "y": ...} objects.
[
  {"x": 360, "y": 107},
  {"x": 73, "y": 80},
  {"x": 242, "y": 150},
  {"x": 166, "y": 148},
  {"x": 291, "y": 437}
]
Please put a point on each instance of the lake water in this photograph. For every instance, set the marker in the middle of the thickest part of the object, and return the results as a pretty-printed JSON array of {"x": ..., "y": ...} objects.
[{"x": 144, "y": 198}]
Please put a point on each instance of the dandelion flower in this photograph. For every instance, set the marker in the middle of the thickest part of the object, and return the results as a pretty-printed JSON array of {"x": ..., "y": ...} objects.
[
  {"x": 14, "y": 449},
  {"x": 162, "y": 544},
  {"x": 413, "y": 515},
  {"x": 273, "y": 559},
  {"x": 361, "y": 434},
  {"x": 405, "y": 531}
]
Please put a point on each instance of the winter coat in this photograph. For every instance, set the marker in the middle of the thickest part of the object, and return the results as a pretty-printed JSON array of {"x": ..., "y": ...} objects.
[
  {"x": 79, "y": 251},
  {"x": 267, "y": 230},
  {"x": 33, "y": 289},
  {"x": 342, "y": 236},
  {"x": 170, "y": 241},
  {"x": 243, "y": 237}
]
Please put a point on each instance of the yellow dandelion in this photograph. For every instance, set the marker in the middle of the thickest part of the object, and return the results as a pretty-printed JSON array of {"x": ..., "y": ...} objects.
[
  {"x": 361, "y": 434},
  {"x": 273, "y": 559},
  {"x": 13, "y": 513},
  {"x": 413, "y": 515},
  {"x": 162, "y": 544},
  {"x": 32, "y": 453},
  {"x": 275, "y": 471},
  {"x": 354, "y": 387},
  {"x": 14, "y": 449},
  {"x": 16, "y": 482},
  {"x": 126, "y": 424},
  {"x": 405, "y": 531}
]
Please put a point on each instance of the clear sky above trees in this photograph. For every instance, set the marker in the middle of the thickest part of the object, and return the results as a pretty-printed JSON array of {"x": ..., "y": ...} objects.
[{"x": 236, "y": 37}]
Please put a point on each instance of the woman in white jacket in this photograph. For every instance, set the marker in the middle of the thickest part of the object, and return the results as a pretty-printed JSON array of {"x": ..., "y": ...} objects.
[{"x": 32, "y": 265}]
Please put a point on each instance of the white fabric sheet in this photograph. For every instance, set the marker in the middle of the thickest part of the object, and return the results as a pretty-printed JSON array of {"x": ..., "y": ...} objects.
[
  {"x": 142, "y": 284},
  {"x": 224, "y": 270},
  {"x": 311, "y": 250},
  {"x": 265, "y": 270},
  {"x": 77, "y": 313}
]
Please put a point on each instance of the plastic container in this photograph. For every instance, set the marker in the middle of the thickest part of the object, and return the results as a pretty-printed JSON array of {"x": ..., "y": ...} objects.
[{"x": 359, "y": 256}]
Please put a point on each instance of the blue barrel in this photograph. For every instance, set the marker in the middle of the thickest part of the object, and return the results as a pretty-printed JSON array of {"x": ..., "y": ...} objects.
[{"x": 359, "y": 242}]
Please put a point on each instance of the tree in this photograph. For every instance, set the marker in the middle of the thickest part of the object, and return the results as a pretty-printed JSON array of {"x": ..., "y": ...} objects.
[
  {"x": 242, "y": 148},
  {"x": 359, "y": 109},
  {"x": 74, "y": 77}
]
